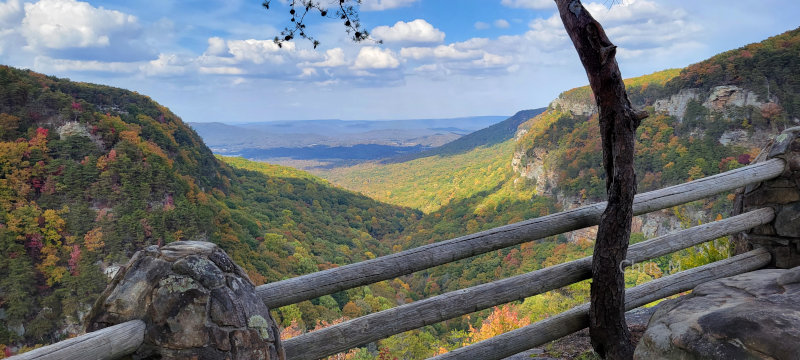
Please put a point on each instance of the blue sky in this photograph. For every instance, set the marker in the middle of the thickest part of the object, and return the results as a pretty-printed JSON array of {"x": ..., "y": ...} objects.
[{"x": 214, "y": 60}]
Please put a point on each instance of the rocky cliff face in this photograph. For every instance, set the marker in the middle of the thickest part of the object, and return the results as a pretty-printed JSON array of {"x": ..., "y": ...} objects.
[
  {"x": 729, "y": 95},
  {"x": 676, "y": 104},
  {"x": 531, "y": 166},
  {"x": 728, "y": 101},
  {"x": 575, "y": 106}
]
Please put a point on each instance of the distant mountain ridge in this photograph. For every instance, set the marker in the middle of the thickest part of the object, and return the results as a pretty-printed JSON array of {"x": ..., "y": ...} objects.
[
  {"x": 334, "y": 142},
  {"x": 489, "y": 136}
]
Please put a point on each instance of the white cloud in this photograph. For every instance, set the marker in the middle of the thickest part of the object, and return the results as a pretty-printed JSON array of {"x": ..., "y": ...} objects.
[
  {"x": 61, "y": 24},
  {"x": 417, "y": 31},
  {"x": 262, "y": 59},
  {"x": 628, "y": 10},
  {"x": 476, "y": 57},
  {"x": 480, "y": 25},
  {"x": 544, "y": 44},
  {"x": 166, "y": 64},
  {"x": 547, "y": 34},
  {"x": 333, "y": 58},
  {"x": 371, "y": 57},
  {"x": 636, "y": 26},
  {"x": 440, "y": 52},
  {"x": 379, "y": 5},
  {"x": 501, "y": 23},
  {"x": 220, "y": 70},
  {"x": 252, "y": 52},
  {"x": 258, "y": 51},
  {"x": 10, "y": 14},
  {"x": 416, "y": 51},
  {"x": 645, "y": 24},
  {"x": 216, "y": 47},
  {"x": 307, "y": 72},
  {"x": 631, "y": 25},
  {"x": 529, "y": 4},
  {"x": 47, "y": 64},
  {"x": 238, "y": 81},
  {"x": 473, "y": 43},
  {"x": 430, "y": 68},
  {"x": 491, "y": 60}
]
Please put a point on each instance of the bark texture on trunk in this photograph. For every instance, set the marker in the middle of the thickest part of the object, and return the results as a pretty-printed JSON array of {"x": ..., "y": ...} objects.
[{"x": 618, "y": 122}]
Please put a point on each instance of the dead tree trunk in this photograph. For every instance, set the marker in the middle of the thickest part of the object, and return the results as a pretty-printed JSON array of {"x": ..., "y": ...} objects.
[{"x": 618, "y": 122}]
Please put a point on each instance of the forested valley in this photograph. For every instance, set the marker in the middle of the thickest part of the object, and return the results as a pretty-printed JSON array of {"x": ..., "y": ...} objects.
[{"x": 89, "y": 174}]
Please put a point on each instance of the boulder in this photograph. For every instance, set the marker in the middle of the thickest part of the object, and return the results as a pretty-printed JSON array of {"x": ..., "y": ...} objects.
[
  {"x": 749, "y": 316},
  {"x": 196, "y": 303}
]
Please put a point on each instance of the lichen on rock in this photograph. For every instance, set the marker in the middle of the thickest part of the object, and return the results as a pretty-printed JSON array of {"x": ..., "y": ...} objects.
[
  {"x": 195, "y": 302},
  {"x": 260, "y": 324}
]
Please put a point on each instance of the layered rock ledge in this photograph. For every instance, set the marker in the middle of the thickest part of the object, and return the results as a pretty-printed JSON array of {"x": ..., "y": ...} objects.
[{"x": 749, "y": 316}]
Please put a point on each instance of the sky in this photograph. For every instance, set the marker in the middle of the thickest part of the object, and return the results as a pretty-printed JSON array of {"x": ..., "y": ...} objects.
[{"x": 214, "y": 60}]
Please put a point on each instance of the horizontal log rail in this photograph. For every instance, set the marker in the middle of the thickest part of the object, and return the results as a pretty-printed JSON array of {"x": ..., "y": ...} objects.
[
  {"x": 372, "y": 327},
  {"x": 110, "y": 343},
  {"x": 577, "y": 318},
  {"x": 329, "y": 281}
]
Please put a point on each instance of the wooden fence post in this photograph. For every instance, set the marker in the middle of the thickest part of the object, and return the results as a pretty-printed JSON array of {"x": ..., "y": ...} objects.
[{"x": 781, "y": 237}]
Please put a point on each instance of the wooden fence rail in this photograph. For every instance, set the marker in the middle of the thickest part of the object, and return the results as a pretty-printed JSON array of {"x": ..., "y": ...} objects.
[
  {"x": 372, "y": 327},
  {"x": 326, "y": 282},
  {"x": 577, "y": 318},
  {"x": 106, "y": 344}
]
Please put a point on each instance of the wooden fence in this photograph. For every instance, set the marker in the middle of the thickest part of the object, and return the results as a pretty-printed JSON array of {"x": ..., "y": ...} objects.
[{"x": 123, "y": 339}]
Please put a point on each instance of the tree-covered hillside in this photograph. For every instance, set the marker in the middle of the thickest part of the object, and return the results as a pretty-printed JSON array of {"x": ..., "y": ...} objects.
[
  {"x": 431, "y": 182},
  {"x": 770, "y": 68},
  {"x": 707, "y": 118},
  {"x": 89, "y": 174}
]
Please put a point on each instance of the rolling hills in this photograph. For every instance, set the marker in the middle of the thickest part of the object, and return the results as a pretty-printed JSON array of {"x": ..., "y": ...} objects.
[
  {"x": 330, "y": 143},
  {"x": 488, "y": 136}
]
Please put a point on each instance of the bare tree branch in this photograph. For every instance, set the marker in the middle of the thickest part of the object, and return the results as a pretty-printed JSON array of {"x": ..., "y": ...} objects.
[{"x": 345, "y": 11}]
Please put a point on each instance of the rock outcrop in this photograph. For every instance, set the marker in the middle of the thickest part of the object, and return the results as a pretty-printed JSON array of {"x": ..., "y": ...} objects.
[
  {"x": 197, "y": 304},
  {"x": 531, "y": 166},
  {"x": 676, "y": 104},
  {"x": 758, "y": 138},
  {"x": 730, "y": 95},
  {"x": 576, "y": 107},
  {"x": 750, "y": 316}
]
